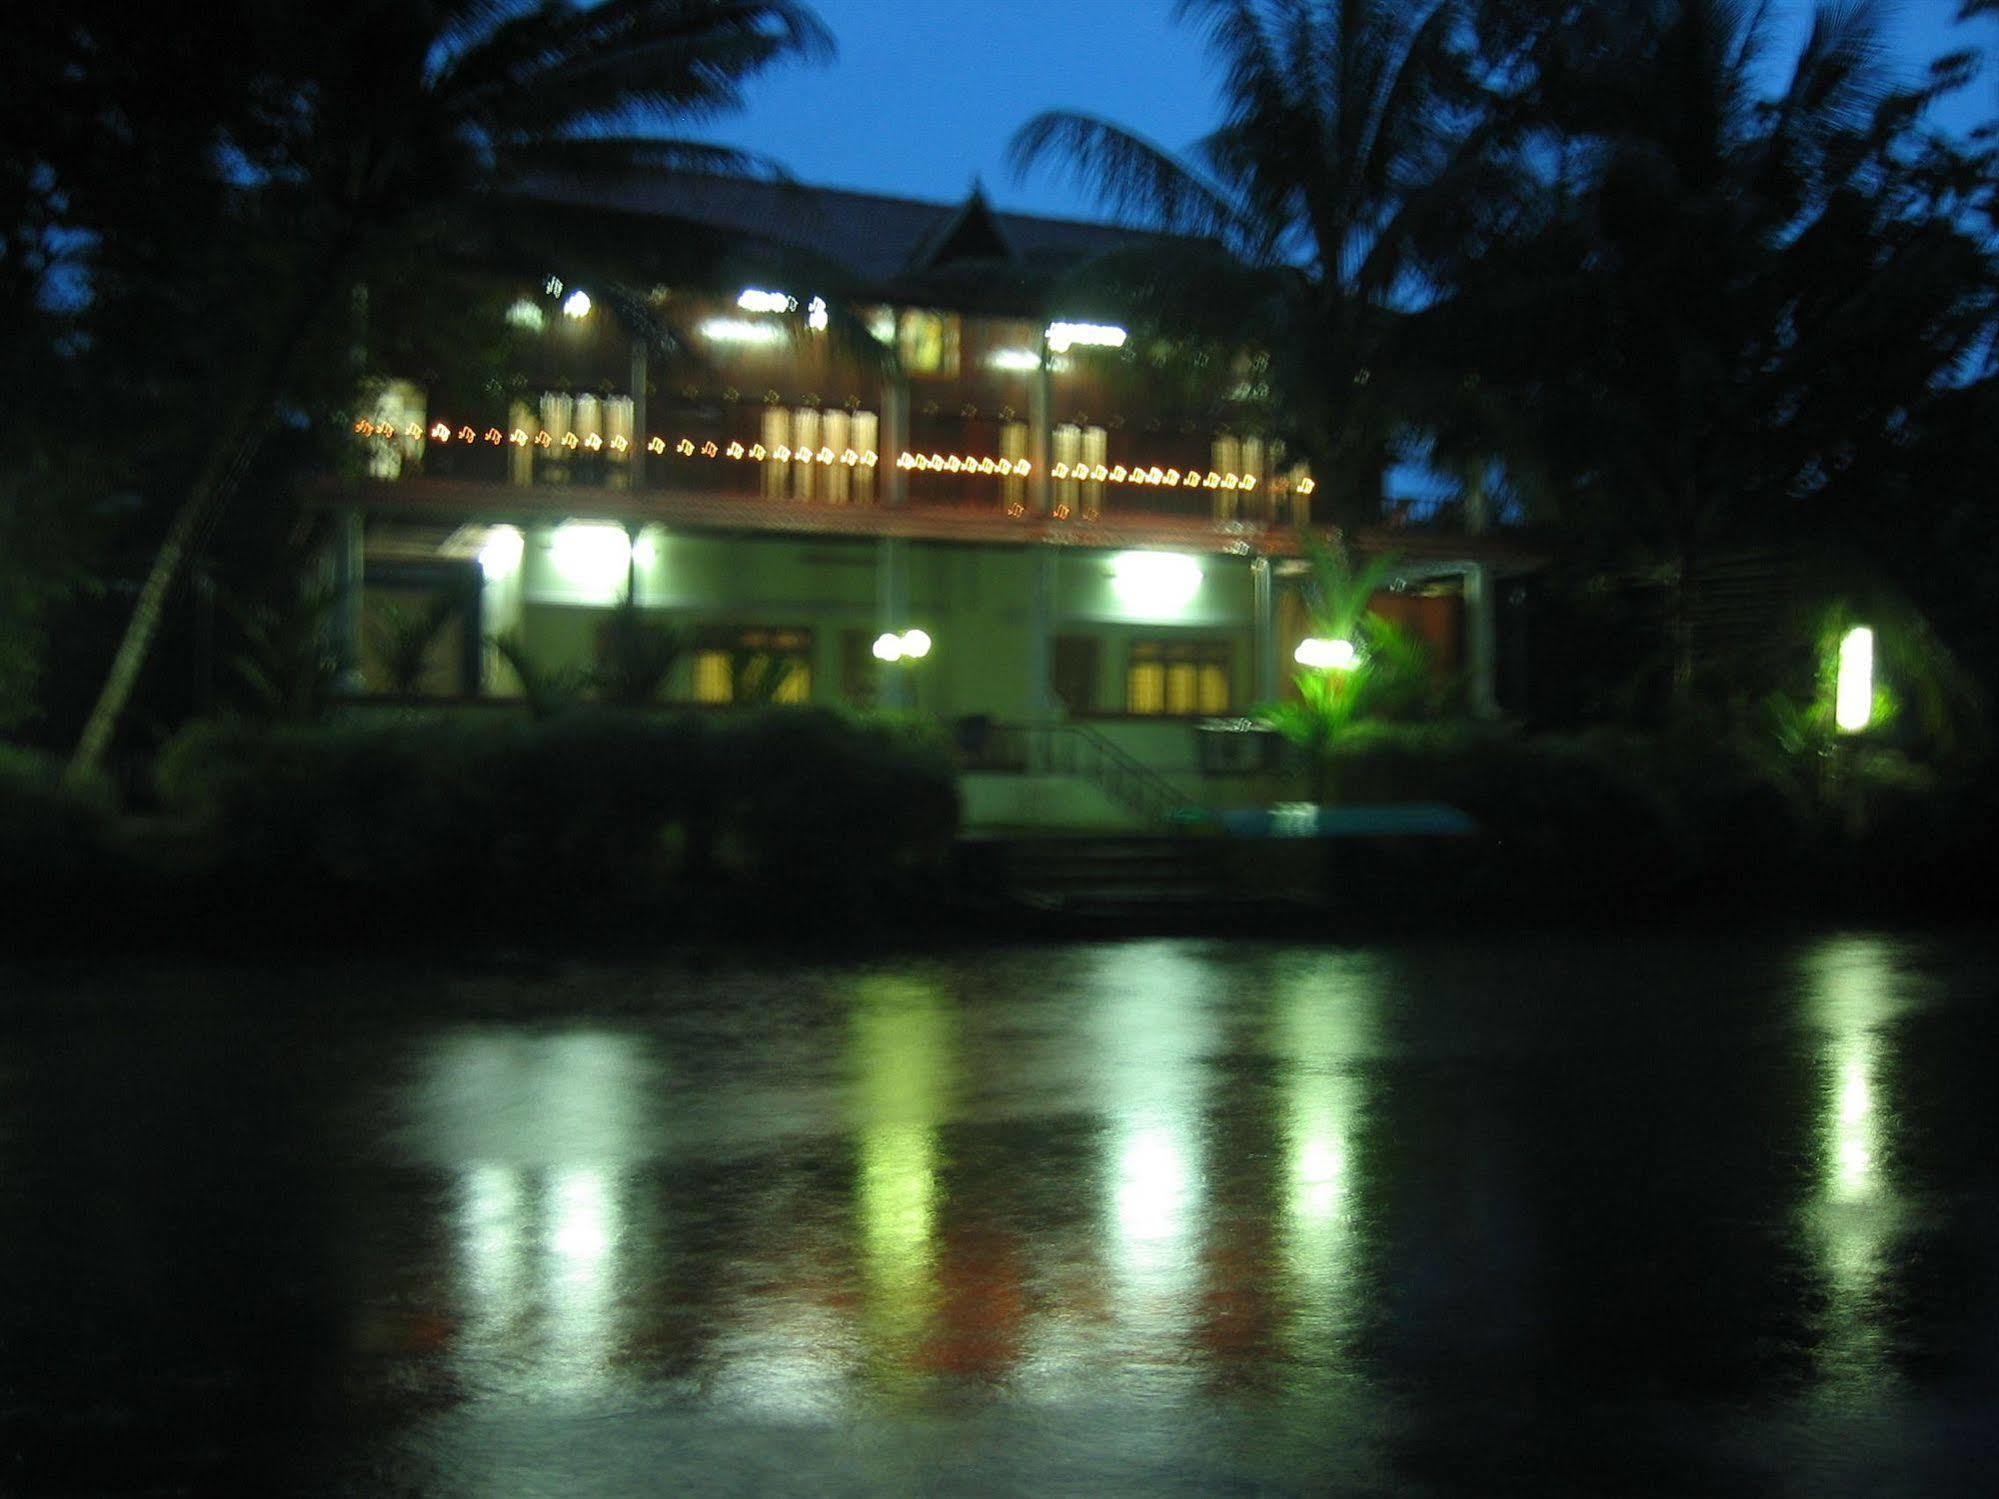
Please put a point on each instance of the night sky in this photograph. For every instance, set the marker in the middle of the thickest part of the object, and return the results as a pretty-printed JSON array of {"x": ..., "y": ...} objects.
[{"x": 927, "y": 92}]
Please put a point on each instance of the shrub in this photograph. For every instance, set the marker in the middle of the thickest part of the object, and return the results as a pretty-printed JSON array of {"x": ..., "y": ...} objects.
[
  {"x": 592, "y": 815},
  {"x": 54, "y": 844},
  {"x": 830, "y": 816},
  {"x": 1567, "y": 827}
]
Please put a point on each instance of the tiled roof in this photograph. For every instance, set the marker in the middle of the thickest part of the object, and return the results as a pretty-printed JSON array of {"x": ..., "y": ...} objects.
[{"x": 878, "y": 240}]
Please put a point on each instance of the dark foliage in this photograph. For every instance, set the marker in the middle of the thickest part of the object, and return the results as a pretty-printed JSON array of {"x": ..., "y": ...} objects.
[{"x": 797, "y": 820}]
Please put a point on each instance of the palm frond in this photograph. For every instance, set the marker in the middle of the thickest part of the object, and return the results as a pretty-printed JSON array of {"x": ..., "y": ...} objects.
[
  {"x": 1270, "y": 140},
  {"x": 1131, "y": 177},
  {"x": 547, "y": 691},
  {"x": 639, "y": 652},
  {"x": 558, "y": 65},
  {"x": 604, "y": 155},
  {"x": 1837, "y": 80},
  {"x": 407, "y": 639}
]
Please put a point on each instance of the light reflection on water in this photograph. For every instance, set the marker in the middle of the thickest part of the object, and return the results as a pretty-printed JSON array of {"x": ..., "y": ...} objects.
[
  {"x": 549, "y": 1123},
  {"x": 1199, "y": 1164},
  {"x": 1150, "y": 1028},
  {"x": 558, "y": 1129},
  {"x": 1326, "y": 1014},
  {"x": 1855, "y": 988},
  {"x": 903, "y": 1041}
]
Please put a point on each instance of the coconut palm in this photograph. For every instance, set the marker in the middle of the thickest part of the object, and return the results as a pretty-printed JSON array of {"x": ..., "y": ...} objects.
[
  {"x": 1737, "y": 297},
  {"x": 388, "y": 124},
  {"x": 1361, "y": 156}
]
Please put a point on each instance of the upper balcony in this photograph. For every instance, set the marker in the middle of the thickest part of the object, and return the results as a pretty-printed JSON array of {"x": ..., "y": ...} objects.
[{"x": 944, "y": 392}]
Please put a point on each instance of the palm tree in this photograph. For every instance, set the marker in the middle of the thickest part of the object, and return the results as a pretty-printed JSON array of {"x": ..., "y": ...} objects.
[
  {"x": 391, "y": 124},
  {"x": 1736, "y": 297},
  {"x": 1361, "y": 156}
]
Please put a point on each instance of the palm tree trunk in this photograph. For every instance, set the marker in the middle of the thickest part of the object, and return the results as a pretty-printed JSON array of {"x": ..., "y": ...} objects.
[{"x": 222, "y": 471}]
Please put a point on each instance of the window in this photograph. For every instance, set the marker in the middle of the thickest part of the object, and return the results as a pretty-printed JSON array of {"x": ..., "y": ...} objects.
[
  {"x": 775, "y": 433},
  {"x": 1013, "y": 448},
  {"x": 1075, "y": 675},
  {"x": 928, "y": 342},
  {"x": 1178, "y": 677},
  {"x": 806, "y": 444},
  {"x": 1077, "y": 451},
  {"x": 753, "y": 666},
  {"x": 828, "y": 437}
]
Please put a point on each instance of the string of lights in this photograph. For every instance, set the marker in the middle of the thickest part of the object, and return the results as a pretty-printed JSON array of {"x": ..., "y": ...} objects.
[{"x": 949, "y": 463}]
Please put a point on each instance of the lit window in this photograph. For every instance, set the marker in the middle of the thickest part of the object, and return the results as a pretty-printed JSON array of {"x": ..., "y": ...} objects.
[
  {"x": 1178, "y": 678},
  {"x": 1013, "y": 448},
  {"x": 775, "y": 434},
  {"x": 1078, "y": 451},
  {"x": 805, "y": 442},
  {"x": 754, "y": 666},
  {"x": 928, "y": 342},
  {"x": 714, "y": 677}
]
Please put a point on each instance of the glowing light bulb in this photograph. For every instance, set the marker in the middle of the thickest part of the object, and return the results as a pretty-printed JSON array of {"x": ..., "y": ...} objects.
[
  {"x": 1155, "y": 582},
  {"x": 1326, "y": 655},
  {"x": 1854, "y": 700}
]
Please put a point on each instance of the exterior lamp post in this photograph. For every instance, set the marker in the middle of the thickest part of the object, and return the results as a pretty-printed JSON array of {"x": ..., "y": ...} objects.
[{"x": 905, "y": 649}]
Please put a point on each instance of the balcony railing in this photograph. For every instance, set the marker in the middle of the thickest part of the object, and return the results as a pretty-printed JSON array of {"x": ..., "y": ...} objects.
[{"x": 737, "y": 450}]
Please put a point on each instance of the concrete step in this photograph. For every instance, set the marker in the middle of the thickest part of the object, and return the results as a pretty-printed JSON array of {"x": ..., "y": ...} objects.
[{"x": 1130, "y": 869}]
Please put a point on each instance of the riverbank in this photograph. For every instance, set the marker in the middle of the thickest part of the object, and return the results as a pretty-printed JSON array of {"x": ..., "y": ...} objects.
[{"x": 813, "y": 831}]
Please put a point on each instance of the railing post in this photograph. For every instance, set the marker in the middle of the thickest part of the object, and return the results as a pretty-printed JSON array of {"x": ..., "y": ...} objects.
[{"x": 1264, "y": 644}]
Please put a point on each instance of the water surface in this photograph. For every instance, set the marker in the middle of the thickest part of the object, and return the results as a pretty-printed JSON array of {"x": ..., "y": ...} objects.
[{"x": 1672, "y": 1217}]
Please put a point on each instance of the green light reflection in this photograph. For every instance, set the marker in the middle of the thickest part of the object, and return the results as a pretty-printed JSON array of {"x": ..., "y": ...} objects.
[
  {"x": 904, "y": 1042},
  {"x": 1153, "y": 1026},
  {"x": 1855, "y": 986},
  {"x": 1326, "y": 1013}
]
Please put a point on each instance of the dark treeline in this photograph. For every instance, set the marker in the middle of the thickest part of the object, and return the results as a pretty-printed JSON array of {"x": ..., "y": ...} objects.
[{"x": 1623, "y": 273}]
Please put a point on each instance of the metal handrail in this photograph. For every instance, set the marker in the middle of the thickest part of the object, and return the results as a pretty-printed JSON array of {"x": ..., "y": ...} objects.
[{"x": 1077, "y": 749}]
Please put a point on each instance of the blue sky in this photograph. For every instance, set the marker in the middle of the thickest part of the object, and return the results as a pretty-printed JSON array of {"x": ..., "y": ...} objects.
[{"x": 927, "y": 92}]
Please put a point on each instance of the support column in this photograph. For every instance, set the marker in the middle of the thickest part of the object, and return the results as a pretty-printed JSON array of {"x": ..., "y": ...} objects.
[
  {"x": 894, "y": 443},
  {"x": 1481, "y": 642},
  {"x": 1041, "y": 435},
  {"x": 641, "y": 374},
  {"x": 1041, "y": 702},
  {"x": 347, "y": 586},
  {"x": 893, "y": 430},
  {"x": 1264, "y": 645},
  {"x": 891, "y": 607}
]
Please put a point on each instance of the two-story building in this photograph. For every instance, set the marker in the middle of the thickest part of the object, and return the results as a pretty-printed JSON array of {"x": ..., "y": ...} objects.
[{"x": 1027, "y": 513}]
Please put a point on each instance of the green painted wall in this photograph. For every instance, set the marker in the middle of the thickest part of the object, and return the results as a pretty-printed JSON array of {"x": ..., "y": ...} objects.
[{"x": 975, "y": 602}]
